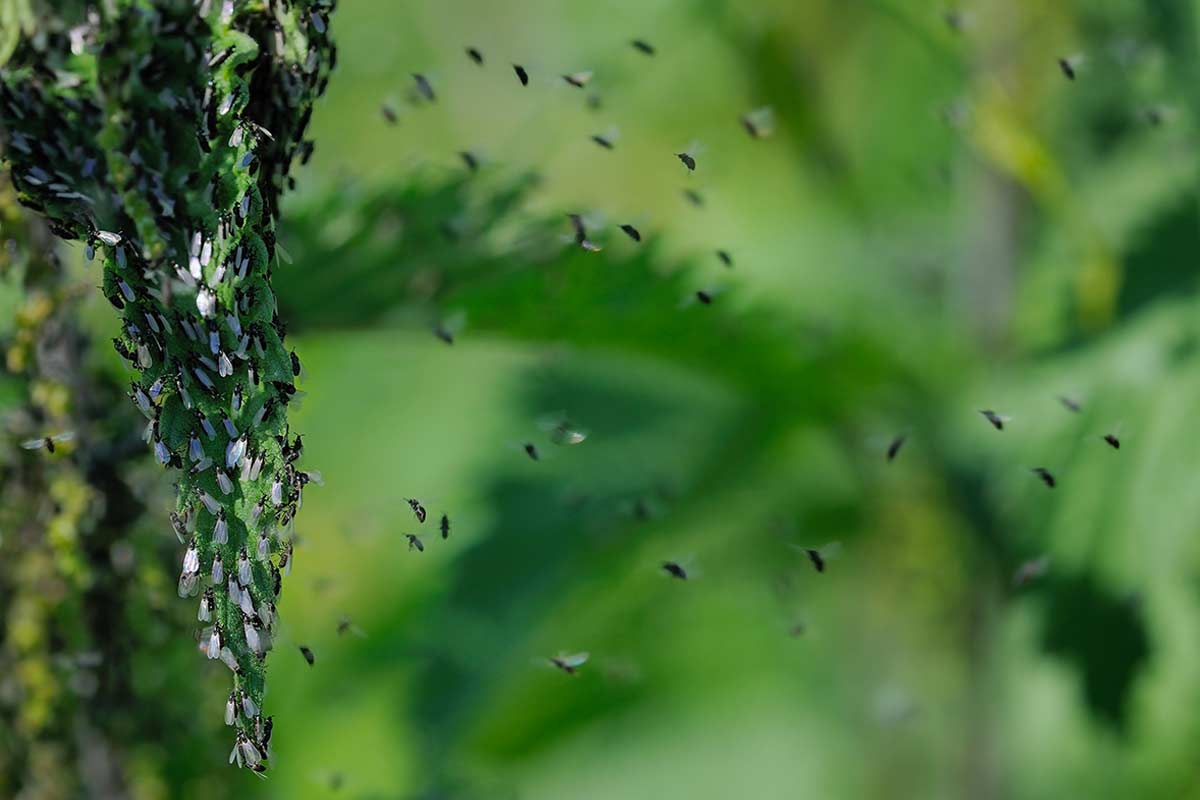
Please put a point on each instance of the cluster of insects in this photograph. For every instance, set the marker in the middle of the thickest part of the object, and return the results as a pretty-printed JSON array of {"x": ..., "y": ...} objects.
[
  {"x": 758, "y": 124},
  {"x": 200, "y": 327},
  {"x": 414, "y": 540},
  {"x": 1033, "y": 569}
]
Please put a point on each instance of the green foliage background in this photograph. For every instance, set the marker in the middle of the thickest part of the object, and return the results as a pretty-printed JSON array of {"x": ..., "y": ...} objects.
[{"x": 942, "y": 223}]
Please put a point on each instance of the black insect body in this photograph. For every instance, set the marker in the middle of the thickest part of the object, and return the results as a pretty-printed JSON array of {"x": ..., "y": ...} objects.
[
  {"x": 308, "y": 655},
  {"x": 604, "y": 141},
  {"x": 522, "y": 75},
  {"x": 415, "y": 543},
  {"x": 704, "y": 297},
  {"x": 444, "y": 526},
  {"x": 643, "y": 47},
  {"x": 759, "y": 123},
  {"x": 996, "y": 419},
  {"x": 581, "y": 237},
  {"x": 476, "y": 56},
  {"x": 894, "y": 448},
  {"x": 1067, "y": 67},
  {"x": 569, "y": 663},
  {"x": 418, "y": 509},
  {"x": 688, "y": 161},
  {"x": 725, "y": 258},
  {"x": 1112, "y": 441},
  {"x": 530, "y": 450},
  {"x": 470, "y": 160},
  {"x": 675, "y": 570},
  {"x": 47, "y": 443},
  {"x": 1045, "y": 476},
  {"x": 632, "y": 232},
  {"x": 578, "y": 79},
  {"x": 818, "y": 561},
  {"x": 424, "y": 87},
  {"x": 1070, "y": 404}
]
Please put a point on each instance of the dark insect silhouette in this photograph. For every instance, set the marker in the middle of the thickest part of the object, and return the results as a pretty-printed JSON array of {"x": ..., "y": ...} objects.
[
  {"x": 604, "y": 141},
  {"x": 450, "y": 327},
  {"x": 759, "y": 123},
  {"x": 1112, "y": 441},
  {"x": 581, "y": 237},
  {"x": 444, "y": 526},
  {"x": 955, "y": 20},
  {"x": 996, "y": 419},
  {"x": 415, "y": 543},
  {"x": 580, "y": 229},
  {"x": 894, "y": 448},
  {"x": 530, "y": 450},
  {"x": 424, "y": 87},
  {"x": 675, "y": 570},
  {"x": 308, "y": 655},
  {"x": 389, "y": 114},
  {"x": 475, "y": 55},
  {"x": 470, "y": 160},
  {"x": 688, "y": 161},
  {"x": 725, "y": 258},
  {"x": 346, "y": 625},
  {"x": 1030, "y": 570},
  {"x": 1045, "y": 476},
  {"x": 569, "y": 662},
  {"x": 1070, "y": 404},
  {"x": 578, "y": 79},
  {"x": 1067, "y": 66},
  {"x": 632, "y": 232},
  {"x": 693, "y": 197},
  {"x": 643, "y": 47},
  {"x": 47, "y": 442},
  {"x": 704, "y": 297},
  {"x": 522, "y": 75},
  {"x": 417, "y": 508},
  {"x": 814, "y": 555}
]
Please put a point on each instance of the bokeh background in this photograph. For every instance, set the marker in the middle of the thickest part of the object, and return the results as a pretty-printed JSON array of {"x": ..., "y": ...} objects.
[{"x": 941, "y": 222}]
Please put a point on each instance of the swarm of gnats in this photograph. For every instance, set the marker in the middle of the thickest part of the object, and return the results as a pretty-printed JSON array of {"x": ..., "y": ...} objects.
[{"x": 161, "y": 135}]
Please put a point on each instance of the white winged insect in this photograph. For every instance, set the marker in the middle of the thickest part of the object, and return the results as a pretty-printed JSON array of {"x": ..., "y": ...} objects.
[
  {"x": 889, "y": 445},
  {"x": 607, "y": 139},
  {"x": 579, "y": 79},
  {"x": 450, "y": 326},
  {"x": 681, "y": 569},
  {"x": 1113, "y": 436},
  {"x": 704, "y": 296},
  {"x": 422, "y": 90},
  {"x": 759, "y": 123},
  {"x": 48, "y": 442},
  {"x": 562, "y": 430},
  {"x": 687, "y": 156},
  {"x": 997, "y": 421},
  {"x": 1030, "y": 571},
  {"x": 569, "y": 663},
  {"x": 820, "y": 557},
  {"x": 346, "y": 625},
  {"x": 584, "y": 225},
  {"x": 1071, "y": 65}
]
